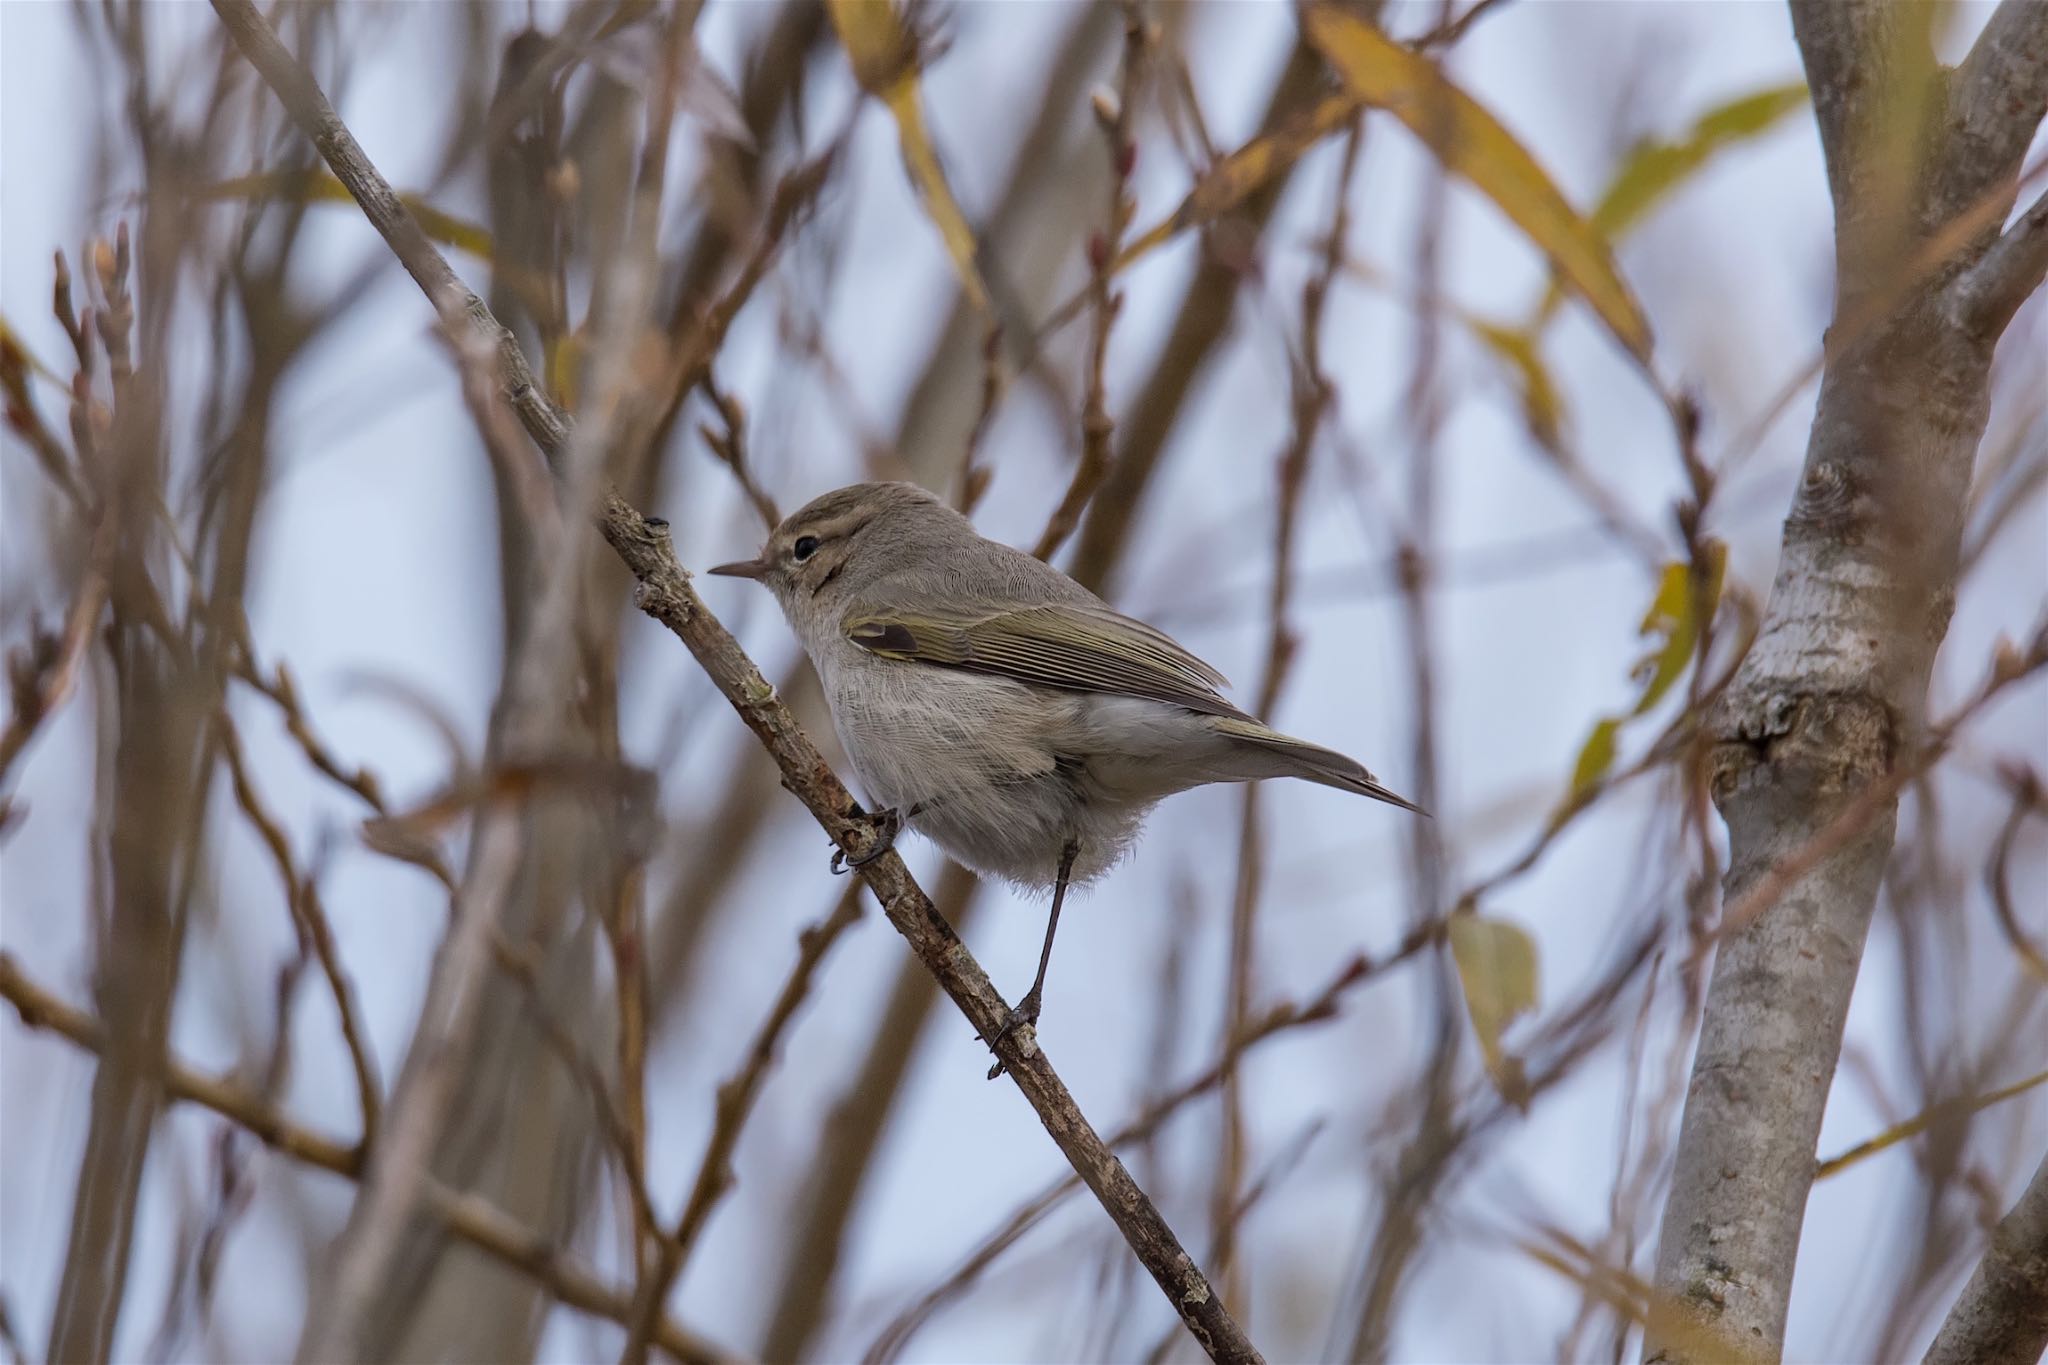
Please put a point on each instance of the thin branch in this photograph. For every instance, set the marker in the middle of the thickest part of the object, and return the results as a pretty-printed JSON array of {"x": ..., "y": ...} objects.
[
  {"x": 302, "y": 898},
  {"x": 41, "y": 677},
  {"x": 846, "y": 1142},
  {"x": 283, "y": 692},
  {"x": 1114, "y": 115},
  {"x": 1997, "y": 97},
  {"x": 1282, "y": 1018},
  {"x": 524, "y": 969},
  {"x": 735, "y": 1104},
  {"x": 398, "y": 1167},
  {"x": 2028, "y": 799},
  {"x": 1311, "y": 401},
  {"x": 474, "y": 1220},
  {"x": 730, "y": 446},
  {"x": 1450, "y": 31},
  {"x": 666, "y": 595},
  {"x": 1990, "y": 292},
  {"x": 1945, "y": 1112}
]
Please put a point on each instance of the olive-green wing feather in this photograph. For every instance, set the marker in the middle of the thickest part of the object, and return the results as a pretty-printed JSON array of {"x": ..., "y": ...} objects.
[{"x": 1077, "y": 646}]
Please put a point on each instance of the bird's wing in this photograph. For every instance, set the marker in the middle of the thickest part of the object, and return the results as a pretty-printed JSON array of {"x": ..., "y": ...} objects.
[{"x": 1078, "y": 646}]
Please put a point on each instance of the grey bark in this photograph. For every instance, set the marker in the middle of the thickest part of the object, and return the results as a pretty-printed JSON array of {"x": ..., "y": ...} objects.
[
  {"x": 1922, "y": 166},
  {"x": 2003, "y": 1312}
]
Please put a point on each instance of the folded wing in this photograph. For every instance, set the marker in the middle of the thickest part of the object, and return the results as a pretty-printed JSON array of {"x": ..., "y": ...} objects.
[{"x": 1077, "y": 646}]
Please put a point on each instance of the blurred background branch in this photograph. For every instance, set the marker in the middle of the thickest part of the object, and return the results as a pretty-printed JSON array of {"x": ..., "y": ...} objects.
[{"x": 341, "y": 798}]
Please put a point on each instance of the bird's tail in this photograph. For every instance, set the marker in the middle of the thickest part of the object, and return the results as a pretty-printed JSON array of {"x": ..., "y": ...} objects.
[{"x": 1272, "y": 754}]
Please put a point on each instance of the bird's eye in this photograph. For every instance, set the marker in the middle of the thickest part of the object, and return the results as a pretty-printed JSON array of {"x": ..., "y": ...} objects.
[{"x": 805, "y": 547}]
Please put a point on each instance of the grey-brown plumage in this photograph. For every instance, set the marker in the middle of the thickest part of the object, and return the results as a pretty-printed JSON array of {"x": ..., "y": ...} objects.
[{"x": 999, "y": 707}]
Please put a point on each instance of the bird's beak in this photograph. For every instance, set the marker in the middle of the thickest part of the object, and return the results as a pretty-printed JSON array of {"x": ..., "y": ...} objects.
[{"x": 745, "y": 568}]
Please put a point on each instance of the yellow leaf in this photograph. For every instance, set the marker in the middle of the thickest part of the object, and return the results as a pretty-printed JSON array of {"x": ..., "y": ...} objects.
[
  {"x": 1518, "y": 349},
  {"x": 562, "y": 364},
  {"x": 18, "y": 358},
  {"x": 319, "y": 187},
  {"x": 1542, "y": 407},
  {"x": 1596, "y": 757},
  {"x": 884, "y": 56},
  {"x": 1497, "y": 967},
  {"x": 1471, "y": 142},
  {"x": 1653, "y": 169},
  {"x": 1674, "y": 617},
  {"x": 1237, "y": 176}
]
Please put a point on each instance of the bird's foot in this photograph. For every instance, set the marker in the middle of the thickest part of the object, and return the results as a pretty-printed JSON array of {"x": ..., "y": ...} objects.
[
  {"x": 1025, "y": 1012},
  {"x": 886, "y": 824}
]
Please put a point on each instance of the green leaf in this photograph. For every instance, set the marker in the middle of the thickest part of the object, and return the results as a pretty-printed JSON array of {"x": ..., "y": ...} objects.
[{"x": 1469, "y": 141}]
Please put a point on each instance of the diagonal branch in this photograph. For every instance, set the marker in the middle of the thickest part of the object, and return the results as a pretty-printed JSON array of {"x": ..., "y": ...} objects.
[
  {"x": 1989, "y": 293},
  {"x": 2003, "y": 1312},
  {"x": 665, "y": 594},
  {"x": 1996, "y": 99},
  {"x": 735, "y": 1103},
  {"x": 476, "y": 1221}
]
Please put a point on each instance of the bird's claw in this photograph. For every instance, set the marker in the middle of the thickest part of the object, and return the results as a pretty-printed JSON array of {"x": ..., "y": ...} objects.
[
  {"x": 886, "y": 824},
  {"x": 1025, "y": 1012}
]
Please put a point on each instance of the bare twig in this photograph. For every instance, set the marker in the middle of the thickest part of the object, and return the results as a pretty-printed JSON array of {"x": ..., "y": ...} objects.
[
  {"x": 302, "y": 897},
  {"x": 2028, "y": 799},
  {"x": 398, "y": 1166},
  {"x": 729, "y": 444},
  {"x": 735, "y": 1104},
  {"x": 1947, "y": 1111},
  {"x": 1311, "y": 401},
  {"x": 283, "y": 691},
  {"x": 665, "y": 594},
  {"x": 1451, "y": 30},
  {"x": 847, "y": 1140},
  {"x": 974, "y": 478},
  {"x": 1114, "y": 114},
  {"x": 42, "y": 676},
  {"x": 474, "y": 1220},
  {"x": 1282, "y": 1018},
  {"x": 524, "y": 969}
]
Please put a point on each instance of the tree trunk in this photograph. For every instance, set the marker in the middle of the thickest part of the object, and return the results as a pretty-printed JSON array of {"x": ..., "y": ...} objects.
[{"x": 1922, "y": 163}]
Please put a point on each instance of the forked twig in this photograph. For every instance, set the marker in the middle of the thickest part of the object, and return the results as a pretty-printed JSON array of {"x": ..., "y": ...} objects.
[{"x": 665, "y": 594}]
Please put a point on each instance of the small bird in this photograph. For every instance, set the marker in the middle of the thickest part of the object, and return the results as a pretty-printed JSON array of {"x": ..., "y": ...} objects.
[{"x": 997, "y": 707}]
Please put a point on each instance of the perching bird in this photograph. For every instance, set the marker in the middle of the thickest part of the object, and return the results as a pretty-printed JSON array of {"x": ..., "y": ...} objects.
[{"x": 994, "y": 705}]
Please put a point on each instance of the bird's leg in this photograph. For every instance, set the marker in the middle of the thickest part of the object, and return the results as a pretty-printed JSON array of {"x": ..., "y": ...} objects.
[
  {"x": 886, "y": 824},
  {"x": 1026, "y": 1011}
]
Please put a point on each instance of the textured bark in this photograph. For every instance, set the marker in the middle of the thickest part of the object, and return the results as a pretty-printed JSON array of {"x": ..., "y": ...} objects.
[
  {"x": 2003, "y": 1312},
  {"x": 1831, "y": 696}
]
